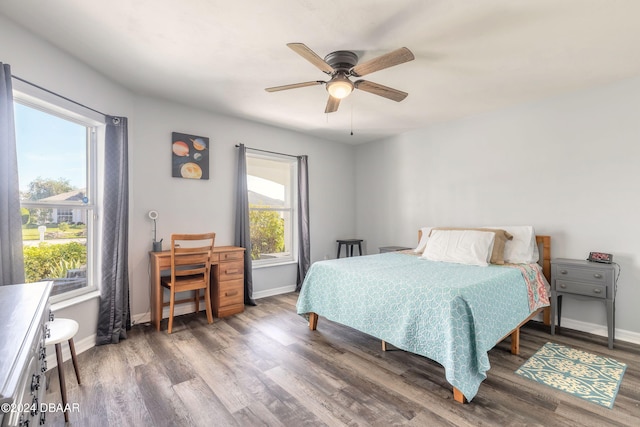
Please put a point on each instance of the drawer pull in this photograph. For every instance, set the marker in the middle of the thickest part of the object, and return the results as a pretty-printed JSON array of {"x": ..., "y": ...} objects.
[
  {"x": 232, "y": 271},
  {"x": 35, "y": 382},
  {"x": 231, "y": 293},
  {"x": 563, "y": 271},
  {"x": 562, "y": 285},
  {"x": 597, "y": 275},
  {"x": 35, "y": 407},
  {"x": 597, "y": 291}
]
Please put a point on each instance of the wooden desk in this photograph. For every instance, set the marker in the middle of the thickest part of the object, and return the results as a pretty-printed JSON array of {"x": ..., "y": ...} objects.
[{"x": 227, "y": 281}]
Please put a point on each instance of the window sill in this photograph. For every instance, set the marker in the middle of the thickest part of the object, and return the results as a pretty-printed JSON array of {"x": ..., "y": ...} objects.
[
  {"x": 275, "y": 264},
  {"x": 74, "y": 300}
]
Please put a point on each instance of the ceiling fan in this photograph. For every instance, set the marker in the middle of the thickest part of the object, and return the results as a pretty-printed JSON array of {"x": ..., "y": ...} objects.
[{"x": 341, "y": 65}]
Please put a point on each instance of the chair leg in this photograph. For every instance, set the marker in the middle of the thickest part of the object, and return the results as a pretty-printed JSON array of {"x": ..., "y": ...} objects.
[
  {"x": 197, "y": 300},
  {"x": 74, "y": 359},
  {"x": 171, "y": 304},
  {"x": 207, "y": 301},
  {"x": 63, "y": 385}
]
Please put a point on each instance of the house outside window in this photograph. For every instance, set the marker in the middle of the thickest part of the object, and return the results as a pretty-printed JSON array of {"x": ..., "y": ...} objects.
[
  {"x": 271, "y": 182},
  {"x": 57, "y": 178}
]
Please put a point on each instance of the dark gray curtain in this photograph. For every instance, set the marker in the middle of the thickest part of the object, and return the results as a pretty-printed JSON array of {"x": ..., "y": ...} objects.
[
  {"x": 304, "y": 243},
  {"x": 11, "y": 258},
  {"x": 242, "y": 230},
  {"x": 114, "y": 318}
]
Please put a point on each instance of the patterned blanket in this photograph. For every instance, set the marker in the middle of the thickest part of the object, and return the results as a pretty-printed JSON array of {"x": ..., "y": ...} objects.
[
  {"x": 537, "y": 285},
  {"x": 451, "y": 313}
]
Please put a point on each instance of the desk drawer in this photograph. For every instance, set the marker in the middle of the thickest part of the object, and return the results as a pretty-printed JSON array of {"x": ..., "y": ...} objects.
[
  {"x": 231, "y": 270},
  {"x": 591, "y": 275},
  {"x": 231, "y": 292},
  {"x": 230, "y": 256},
  {"x": 230, "y": 310},
  {"x": 591, "y": 290}
]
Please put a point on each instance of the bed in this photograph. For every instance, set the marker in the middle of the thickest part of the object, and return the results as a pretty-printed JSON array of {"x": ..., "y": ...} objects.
[{"x": 450, "y": 313}]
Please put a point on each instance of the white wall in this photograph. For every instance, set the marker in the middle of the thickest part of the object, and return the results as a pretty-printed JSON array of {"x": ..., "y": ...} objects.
[{"x": 568, "y": 166}]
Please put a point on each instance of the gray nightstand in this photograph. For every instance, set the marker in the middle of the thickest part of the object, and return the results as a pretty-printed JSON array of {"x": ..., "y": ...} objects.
[
  {"x": 384, "y": 249},
  {"x": 586, "y": 280}
]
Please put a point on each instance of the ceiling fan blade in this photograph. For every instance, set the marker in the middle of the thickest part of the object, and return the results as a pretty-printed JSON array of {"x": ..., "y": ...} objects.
[
  {"x": 378, "y": 89},
  {"x": 293, "y": 86},
  {"x": 398, "y": 56},
  {"x": 302, "y": 50},
  {"x": 332, "y": 105}
]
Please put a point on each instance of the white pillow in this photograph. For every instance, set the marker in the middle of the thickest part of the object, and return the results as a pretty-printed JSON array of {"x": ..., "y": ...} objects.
[
  {"x": 522, "y": 249},
  {"x": 423, "y": 240},
  {"x": 460, "y": 246}
]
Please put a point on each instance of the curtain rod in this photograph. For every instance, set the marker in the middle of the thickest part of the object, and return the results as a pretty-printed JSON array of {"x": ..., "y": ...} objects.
[
  {"x": 267, "y": 151},
  {"x": 58, "y": 95}
]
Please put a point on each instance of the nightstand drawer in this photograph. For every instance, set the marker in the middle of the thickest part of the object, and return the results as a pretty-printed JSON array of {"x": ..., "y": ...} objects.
[
  {"x": 590, "y": 275},
  {"x": 591, "y": 290}
]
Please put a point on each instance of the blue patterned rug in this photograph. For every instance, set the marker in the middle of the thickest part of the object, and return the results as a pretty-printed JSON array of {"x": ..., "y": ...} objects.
[{"x": 585, "y": 375}]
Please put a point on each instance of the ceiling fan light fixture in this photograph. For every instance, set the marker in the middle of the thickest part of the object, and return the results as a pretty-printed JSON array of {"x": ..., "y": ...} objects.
[{"x": 339, "y": 86}]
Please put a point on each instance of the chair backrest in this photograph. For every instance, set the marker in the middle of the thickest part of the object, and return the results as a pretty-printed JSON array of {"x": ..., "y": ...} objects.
[{"x": 191, "y": 255}]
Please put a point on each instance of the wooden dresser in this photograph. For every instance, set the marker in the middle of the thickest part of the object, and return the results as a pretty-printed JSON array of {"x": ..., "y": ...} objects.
[
  {"x": 24, "y": 311},
  {"x": 227, "y": 281}
]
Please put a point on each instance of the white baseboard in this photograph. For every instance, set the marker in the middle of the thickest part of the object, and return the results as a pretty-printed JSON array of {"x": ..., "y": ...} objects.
[
  {"x": 601, "y": 330},
  {"x": 180, "y": 309},
  {"x": 187, "y": 308},
  {"x": 81, "y": 346},
  {"x": 274, "y": 291}
]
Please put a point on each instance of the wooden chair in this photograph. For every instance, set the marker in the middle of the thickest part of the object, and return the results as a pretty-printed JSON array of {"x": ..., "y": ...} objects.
[{"x": 190, "y": 270}]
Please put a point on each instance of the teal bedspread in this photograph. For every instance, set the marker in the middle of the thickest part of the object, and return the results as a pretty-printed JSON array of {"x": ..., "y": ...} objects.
[{"x": 451, "y": 313}]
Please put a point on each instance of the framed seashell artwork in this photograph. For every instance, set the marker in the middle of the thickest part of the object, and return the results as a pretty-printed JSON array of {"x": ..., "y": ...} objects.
[{"x": 189, "y": 156}]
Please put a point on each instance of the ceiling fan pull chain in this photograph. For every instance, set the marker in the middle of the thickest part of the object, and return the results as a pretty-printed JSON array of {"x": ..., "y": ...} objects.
[{"x": 352, "y": 117}]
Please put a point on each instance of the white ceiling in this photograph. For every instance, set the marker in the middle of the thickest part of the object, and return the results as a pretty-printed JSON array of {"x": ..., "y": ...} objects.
[{"x": 471, "y": 55}]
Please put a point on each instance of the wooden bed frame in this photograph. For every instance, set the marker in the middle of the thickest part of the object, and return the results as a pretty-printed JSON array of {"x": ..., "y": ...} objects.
[{"x": 544, "y": 247}]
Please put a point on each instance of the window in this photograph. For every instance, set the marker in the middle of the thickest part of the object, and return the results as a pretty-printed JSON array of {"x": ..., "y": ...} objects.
[
  {"x": 64, "y": 215},
  {"x": 271, "y": 189},
  {"x": 56, "y": 166}
]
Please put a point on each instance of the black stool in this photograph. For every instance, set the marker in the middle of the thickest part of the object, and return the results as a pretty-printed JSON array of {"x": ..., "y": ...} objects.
[{"x": 349, "y": 244}]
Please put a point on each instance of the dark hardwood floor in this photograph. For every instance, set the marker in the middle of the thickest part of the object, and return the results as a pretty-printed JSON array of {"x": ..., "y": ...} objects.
[{"x": 264, "y": 367}]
